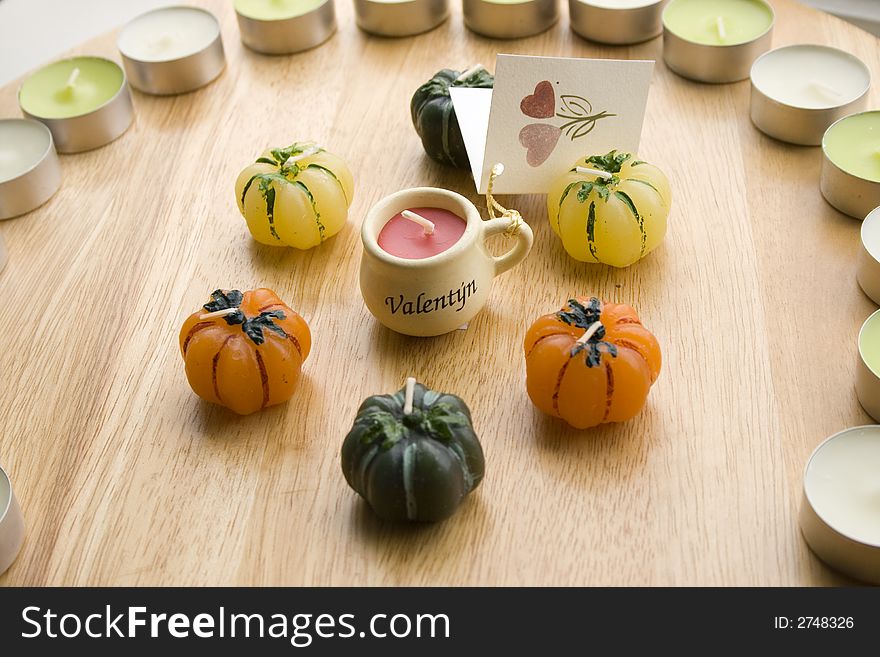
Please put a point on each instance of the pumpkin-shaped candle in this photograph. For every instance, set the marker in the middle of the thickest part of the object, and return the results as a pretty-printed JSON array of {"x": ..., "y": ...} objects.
[
  {"x": 433, "y": 114},
  {"x": 244, "y": 351},
  {"x": 296, "y": 196},
  {"x": 610, "y": 209},
  {"x": 590, "y": 363},
  {"x": 413, "y": 455}
]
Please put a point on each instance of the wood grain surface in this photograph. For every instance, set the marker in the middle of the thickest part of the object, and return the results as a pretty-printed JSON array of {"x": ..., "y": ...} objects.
[{"x": 126, "y": 478}]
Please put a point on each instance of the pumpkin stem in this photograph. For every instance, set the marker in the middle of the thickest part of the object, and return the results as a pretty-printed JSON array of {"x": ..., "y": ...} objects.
[
  {"x": 589, "y": 333},
  {"x": 219, "y": 313},
  {"x": 594, "y": 172},
  {"x": 408, "y": 395}
]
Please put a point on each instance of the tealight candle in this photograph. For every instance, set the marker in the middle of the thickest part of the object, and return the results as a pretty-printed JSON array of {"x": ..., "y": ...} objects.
[
  {"x": 798, "y": 91},
  {"x": 29, "y": 171},
  {"x": 850, "y": 178},
  {"x": 868, "y": 369},
  {"x": 172, "y": 50},
  {"x": 417, "y": 285},
  {"x": 279, "y": 27},
  {"x": 396, "y": 18},
  {"x": 421, "y": 232},
  {"x": 11, "y": 524},
  {"x": 510, "y": 19},
  {"x": 617, "y": 22},
  {"x": 715, "y": 40},
  {"x": 840, "y": 513},
  {"x": 868, "y": 268},
  {"x": 84, "y": 101}
]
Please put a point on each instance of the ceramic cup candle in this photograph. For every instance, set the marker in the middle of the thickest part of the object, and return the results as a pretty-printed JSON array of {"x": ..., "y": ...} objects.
[
  {"x": 510, "y": 19},
  {"x": 840, "y": 516},
  {"x": 279, "y": 27},
  {"x": 868, "y": 368},
  {"x": 172, "y": 50},
  {"x": 397, "y": 18},
  {"x": 868, "y": 267},
  {"x": 798, "y": 91},
  {"x": 29, "y": 171},
  {"x": 617, "y": 22},
  {"x": 84, "y": 101},
  {"x": 715, "y": 40},
  {"x": 430, "y": 272},
  {"x": 11, "y": 524},
  {"x": 851, "y": 164}
]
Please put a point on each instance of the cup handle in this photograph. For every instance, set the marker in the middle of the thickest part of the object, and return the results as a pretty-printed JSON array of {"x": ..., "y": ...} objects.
[{"x": 524, "y": 239}]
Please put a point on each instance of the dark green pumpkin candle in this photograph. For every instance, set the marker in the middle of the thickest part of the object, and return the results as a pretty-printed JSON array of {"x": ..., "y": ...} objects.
[
  {"x": 413, "y": 455},
  {"x": 434, "y": 116}
]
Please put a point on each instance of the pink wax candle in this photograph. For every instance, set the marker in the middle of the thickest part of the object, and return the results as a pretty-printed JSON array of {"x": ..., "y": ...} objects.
[{"x": 404, "y": 238}]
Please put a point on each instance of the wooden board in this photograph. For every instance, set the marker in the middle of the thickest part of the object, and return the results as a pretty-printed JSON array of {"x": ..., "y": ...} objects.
[{"x": 126, "y": 478}]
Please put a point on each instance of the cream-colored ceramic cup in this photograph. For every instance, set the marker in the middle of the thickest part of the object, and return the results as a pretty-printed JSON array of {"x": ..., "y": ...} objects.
[{"x": 435, "y": 295}]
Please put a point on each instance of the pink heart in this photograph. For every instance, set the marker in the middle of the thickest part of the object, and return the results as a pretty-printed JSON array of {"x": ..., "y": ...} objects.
[
  {"x": 541, "y": 104},
  {"x": 539, "y": 140}
]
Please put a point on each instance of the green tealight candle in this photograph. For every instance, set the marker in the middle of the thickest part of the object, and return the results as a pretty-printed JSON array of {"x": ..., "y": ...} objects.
[
  {"x": 869, "y": 343},
  {"x": 853, "y": 144},
  {"x": 718, "y": 22},
  {"x": 71, "y": 87},
  {"x": 274, "y": 10}
]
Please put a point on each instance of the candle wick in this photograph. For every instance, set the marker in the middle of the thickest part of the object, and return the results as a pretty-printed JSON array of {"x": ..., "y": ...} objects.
[
  {"x": 293, "y": 159},
  {"x": 71, "y": 81},
  {"x": 722, "y": 30},
  {"x": 471, "y": 71},
  {"x": 594, "y": 172},
  {"x": 826, "y": 90},
  {"x": 589, "y": 333},
  {"x": 219, "y": 313},
  {"x": 408, "y": 395},
  {"x": 420, "y": 220}
]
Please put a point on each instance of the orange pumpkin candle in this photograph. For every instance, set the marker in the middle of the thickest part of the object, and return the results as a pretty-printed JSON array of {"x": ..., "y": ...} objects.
[
  {"x": 244, "y": 351},
  {"x": 590, "y": 363}
]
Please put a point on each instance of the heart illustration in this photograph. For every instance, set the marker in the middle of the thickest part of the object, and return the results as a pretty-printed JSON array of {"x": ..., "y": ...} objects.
[
  {"x": 541, "y": 104},
  {"x": 539, "y": 140}
]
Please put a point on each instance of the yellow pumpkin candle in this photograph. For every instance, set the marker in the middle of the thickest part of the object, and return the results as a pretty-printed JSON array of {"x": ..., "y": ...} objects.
[
  {"x": 244, "y": 351},
  {"x": 590, "y": 363},
  {"x": 296, "y": 196},
  {"x": 610, "y": 209}
]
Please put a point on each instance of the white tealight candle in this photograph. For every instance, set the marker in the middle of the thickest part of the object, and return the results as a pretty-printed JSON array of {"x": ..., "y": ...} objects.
[
  {"x": 841, "y": 514},
  {"x": 798, "y": 91},
  {"x": 172, "y": 50},
  {"x": 29, "y": 172}
]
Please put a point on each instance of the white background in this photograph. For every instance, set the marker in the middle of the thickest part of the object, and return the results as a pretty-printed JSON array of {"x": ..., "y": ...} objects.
[{"x": 34, "y": 32}]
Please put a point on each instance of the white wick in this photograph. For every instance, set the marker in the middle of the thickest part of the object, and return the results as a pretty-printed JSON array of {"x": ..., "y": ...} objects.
[
  {"x": 590, "y": 332},
  {"x": 311, "y": 150},
  {"x": 826, "y": 90},
  {"x": 587, "y": 171},
  {"x": 71, "y": 81},
  {"x": 218, "y": 313},
  {"x": 468, "y": 73},
  {"x": 408, "y": 395},
  {"x": 420, "y": 220},
  {"x": 722, "y": 30}
]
